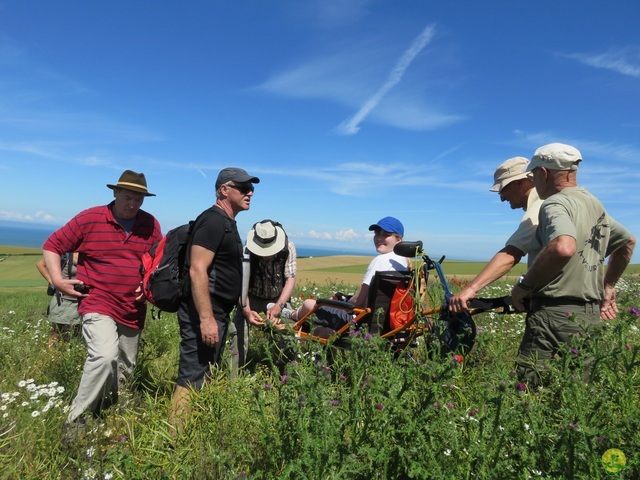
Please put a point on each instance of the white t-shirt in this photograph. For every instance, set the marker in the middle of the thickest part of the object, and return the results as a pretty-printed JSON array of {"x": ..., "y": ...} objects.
[
  {"x": 385, "y": 263},
  {"x": 523, "y": 237}
]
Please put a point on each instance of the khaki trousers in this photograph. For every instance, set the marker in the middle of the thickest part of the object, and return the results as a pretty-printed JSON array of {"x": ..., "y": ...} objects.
[
  {"x": 548, "y": 328},
  {"x": 112, "y": 350}
]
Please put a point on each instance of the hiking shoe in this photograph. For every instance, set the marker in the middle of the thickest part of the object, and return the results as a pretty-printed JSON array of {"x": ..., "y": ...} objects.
[{"x": 74, "y": 431}]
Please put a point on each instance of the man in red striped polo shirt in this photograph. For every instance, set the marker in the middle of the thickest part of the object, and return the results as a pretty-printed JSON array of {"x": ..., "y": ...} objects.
[{"x": 111, "y": 240}]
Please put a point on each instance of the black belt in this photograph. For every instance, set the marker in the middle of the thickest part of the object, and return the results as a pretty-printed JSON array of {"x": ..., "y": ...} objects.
[{"x": 560, "y": 302}]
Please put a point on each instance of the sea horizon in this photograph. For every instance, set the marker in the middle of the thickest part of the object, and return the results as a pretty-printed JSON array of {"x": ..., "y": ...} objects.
[{"x": 15, "y": 234}]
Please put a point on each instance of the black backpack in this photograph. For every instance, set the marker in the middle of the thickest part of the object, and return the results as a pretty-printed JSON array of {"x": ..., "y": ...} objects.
[{"x": 165, "y": 281}]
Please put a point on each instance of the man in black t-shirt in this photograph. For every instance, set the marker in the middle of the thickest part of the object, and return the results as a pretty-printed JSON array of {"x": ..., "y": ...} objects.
[{"x": 215, "y": 272}]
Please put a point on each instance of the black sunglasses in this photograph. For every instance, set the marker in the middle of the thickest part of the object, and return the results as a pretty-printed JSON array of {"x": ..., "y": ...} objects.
[{"x": 244, "y": 189}]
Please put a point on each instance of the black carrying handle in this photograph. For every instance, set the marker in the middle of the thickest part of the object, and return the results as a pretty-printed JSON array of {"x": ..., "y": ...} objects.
[{"x": 479, "y": 305}]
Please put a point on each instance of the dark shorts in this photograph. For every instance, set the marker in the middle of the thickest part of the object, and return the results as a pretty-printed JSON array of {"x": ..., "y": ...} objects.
[
  {"x": 196, "y": 358},
  {"x": 332, "y": 317}
]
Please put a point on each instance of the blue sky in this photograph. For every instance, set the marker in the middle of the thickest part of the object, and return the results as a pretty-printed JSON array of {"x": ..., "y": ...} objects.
[{"x": 348, "y": 111}]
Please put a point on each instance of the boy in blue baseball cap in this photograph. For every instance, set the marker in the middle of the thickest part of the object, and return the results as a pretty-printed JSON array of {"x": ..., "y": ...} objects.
[{"x": 388, "y": 232}]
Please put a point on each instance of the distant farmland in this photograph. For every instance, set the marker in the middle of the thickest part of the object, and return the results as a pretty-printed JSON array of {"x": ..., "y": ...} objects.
[{"x": 18, "y": 268}]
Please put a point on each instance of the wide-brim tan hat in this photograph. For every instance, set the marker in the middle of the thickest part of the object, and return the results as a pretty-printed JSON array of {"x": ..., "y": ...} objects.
[
  {"x": 509, "y": 171},
  {"x": 130, "y": 180},
  {"x": 266, "y": 238}
]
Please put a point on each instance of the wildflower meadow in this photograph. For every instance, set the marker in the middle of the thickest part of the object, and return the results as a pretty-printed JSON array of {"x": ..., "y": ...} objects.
[{"x": 302, "y": 411}]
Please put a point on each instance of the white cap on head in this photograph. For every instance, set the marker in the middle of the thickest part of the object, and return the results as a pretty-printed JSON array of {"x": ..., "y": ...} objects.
[{"x": 556, "y": 156}]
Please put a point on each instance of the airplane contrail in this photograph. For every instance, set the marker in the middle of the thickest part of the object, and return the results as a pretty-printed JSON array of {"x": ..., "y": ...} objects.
[{"x": 351, "y": 126}]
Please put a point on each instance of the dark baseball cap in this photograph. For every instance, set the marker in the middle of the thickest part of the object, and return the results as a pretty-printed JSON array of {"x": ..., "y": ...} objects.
[{"x": 234, "y": 174}]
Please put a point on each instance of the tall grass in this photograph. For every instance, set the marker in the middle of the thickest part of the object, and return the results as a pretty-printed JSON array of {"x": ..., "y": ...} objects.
[{"x": 302, "y": 411}]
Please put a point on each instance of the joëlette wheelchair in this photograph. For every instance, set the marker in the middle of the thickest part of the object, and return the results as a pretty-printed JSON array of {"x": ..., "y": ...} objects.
[{"x": 456, "y": 332}]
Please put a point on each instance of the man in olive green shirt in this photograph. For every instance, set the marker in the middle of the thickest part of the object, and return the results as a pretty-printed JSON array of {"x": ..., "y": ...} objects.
[{"x": 569, "y": 286}]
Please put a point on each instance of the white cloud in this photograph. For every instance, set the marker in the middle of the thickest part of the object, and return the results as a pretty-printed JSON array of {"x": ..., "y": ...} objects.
[
  {"x": 38, "y": 217},
  {"x": 44, "y": 216},
  {"x": 588, "y": 148},
  {"x": 349, "y": 234},
  {"x": 350, "y": 74},
  {"x": 625, "y": 61},
  {"x": 351, "y": 126},
  {"x": 94, "y": 161},
  {"x": 322, "y": 235},
  {"x": 328, "y": 13}
]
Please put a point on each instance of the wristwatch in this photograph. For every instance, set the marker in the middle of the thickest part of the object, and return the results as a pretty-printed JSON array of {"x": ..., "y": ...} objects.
[{"x": 522, "y": 285}]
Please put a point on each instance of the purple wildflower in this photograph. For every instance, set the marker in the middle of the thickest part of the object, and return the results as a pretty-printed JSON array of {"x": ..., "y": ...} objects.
[
  {"x": 334, "y": 403},
  {"x": 283, "y": 378},
  {"x": 521, "y": 387},
  {"x": 450, "y": 405},
  {"x": 575, "y": 352},
  {"x": 635, "y": 311},
  {"x": 267, "y": 386},
  {"x": 379, "y": 406}
]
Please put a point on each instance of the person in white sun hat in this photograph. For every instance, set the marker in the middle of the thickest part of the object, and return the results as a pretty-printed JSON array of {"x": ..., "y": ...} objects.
[
  {"x": 513, "y": 183},
  {"x": 268, "y": 285}
]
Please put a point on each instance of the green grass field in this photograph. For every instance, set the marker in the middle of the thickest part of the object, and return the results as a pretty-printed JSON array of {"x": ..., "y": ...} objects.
[
  {"x": 302, "y": 411},
  {"x": 18, "y": 267}
]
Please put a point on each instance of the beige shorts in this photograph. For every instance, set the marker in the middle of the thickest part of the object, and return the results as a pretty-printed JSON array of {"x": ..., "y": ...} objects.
[{"x": 64, "y": 312}]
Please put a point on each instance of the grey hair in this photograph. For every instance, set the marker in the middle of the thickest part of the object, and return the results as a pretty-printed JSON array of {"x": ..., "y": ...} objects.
[{"x": 218, "y": 191}]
